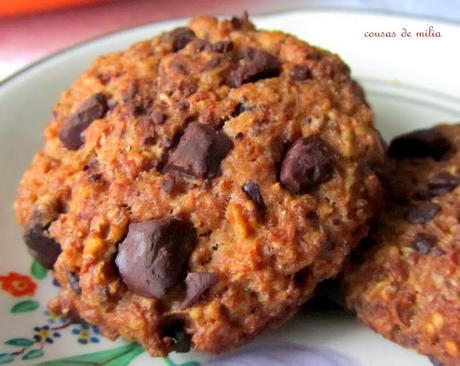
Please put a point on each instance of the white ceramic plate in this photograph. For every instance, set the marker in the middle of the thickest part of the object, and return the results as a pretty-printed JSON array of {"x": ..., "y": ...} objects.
[{"x": 411, "y": 83}]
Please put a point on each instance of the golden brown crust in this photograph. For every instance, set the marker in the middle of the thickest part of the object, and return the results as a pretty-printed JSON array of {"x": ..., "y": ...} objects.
[
  {"x": 406, "y": 285},
  {"x": 266, "y": 267}
]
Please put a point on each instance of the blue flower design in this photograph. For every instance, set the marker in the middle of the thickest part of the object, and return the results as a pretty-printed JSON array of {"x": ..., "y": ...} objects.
[
  {"x": 86, "y": 333},
  {"x": 53, "y": 318},
  {"x": 45, "y": 334}
]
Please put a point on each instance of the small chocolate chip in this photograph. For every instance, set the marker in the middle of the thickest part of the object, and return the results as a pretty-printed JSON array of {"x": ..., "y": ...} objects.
[
  {"x": 252, "y": 190},
  {"x": 423, "y": 243},
  {"x": 181, "y": 37},
  {"x": 254, "y": 64},
  {"x": 92, "y": 109},
  {"x": 420, "y": 144},
  {"x": 199, "y": 152},
  {"x": 73, "y": 279},
  {"x": 239, "y": 136},
  {"x": 41, "y": 244},
  {"x": 300, "y": 72},
  {"x": 423, "y": 212},
  {"x": 307, "y": 164},
  {"x": 197, "y": 283},
  {"x": 435, "y": 361},
  {"x": 222, "y": 46},
  {"x": 158, "y": 117},
  {"x": 180, "y": 341},
  {"x": 442, "y": 183},
  {"x": 154, "y": 255}
]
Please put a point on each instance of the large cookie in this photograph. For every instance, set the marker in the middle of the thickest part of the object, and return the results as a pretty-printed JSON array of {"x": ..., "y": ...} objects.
[
  {"x": 201, "y": 184},
  {"x": 405, "y": 281}
]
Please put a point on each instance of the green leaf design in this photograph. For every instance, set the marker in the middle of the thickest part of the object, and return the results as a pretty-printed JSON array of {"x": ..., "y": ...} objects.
[
  {"x": 120, "y": 356},
  {"x": 22, "y": 342},
  {"x": 34, "y": 353},
  {"x": 24, "y": 306},
  {"x": 169, "y": 362},
  {"x": 38, "y": 271},
  {"x": 6, "y": 358}
]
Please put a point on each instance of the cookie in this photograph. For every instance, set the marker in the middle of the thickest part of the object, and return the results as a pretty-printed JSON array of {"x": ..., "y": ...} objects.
[
  {"x": 194, "y": 189},
  {"x": 405, "y": 281}
]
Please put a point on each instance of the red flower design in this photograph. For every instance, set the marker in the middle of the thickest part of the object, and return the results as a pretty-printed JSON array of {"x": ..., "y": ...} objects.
[{"x": 17, "y": 284}]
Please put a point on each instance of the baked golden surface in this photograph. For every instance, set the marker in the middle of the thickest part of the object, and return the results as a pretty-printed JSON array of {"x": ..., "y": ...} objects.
[{"x": 201, "y": 184}]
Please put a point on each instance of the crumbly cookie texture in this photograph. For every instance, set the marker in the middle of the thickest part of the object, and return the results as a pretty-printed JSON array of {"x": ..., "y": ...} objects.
[
  {"x": 405, "y": 281},
  {"x": 201, "y": 184}
]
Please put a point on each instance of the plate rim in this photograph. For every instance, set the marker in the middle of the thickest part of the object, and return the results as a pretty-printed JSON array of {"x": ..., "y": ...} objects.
[{"x": 294, "y": 9}]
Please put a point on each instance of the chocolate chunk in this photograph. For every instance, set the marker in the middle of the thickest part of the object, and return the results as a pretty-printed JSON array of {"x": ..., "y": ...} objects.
[
  {"x": 73, "y": 279},
  {"x": 423, "y": 243},
  {"x": 199, "y": 152},
  {"x": 423, "y": 212},
  {"x": 442, "y": 183},
  {"x": 222, "y": 46},
  {"x": 197, "y": 283},
  {"x": 181, "y": 37},
  {"x": 300, "y": 72},
  {"x": 435, "y": 361},
  {"x": 92, "y": 109},
  {"x": 154, "y": 255},
  {"x": 254, "y": 64},
  {"x": 180, "y": 340},
  {"x": 158, "y": 117},
  {"x": 307, "y": 164},
  {"x": 420, "y": 144},
  {"x": 41, "y": 244},
  {"x": 252, "y": 190}
]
